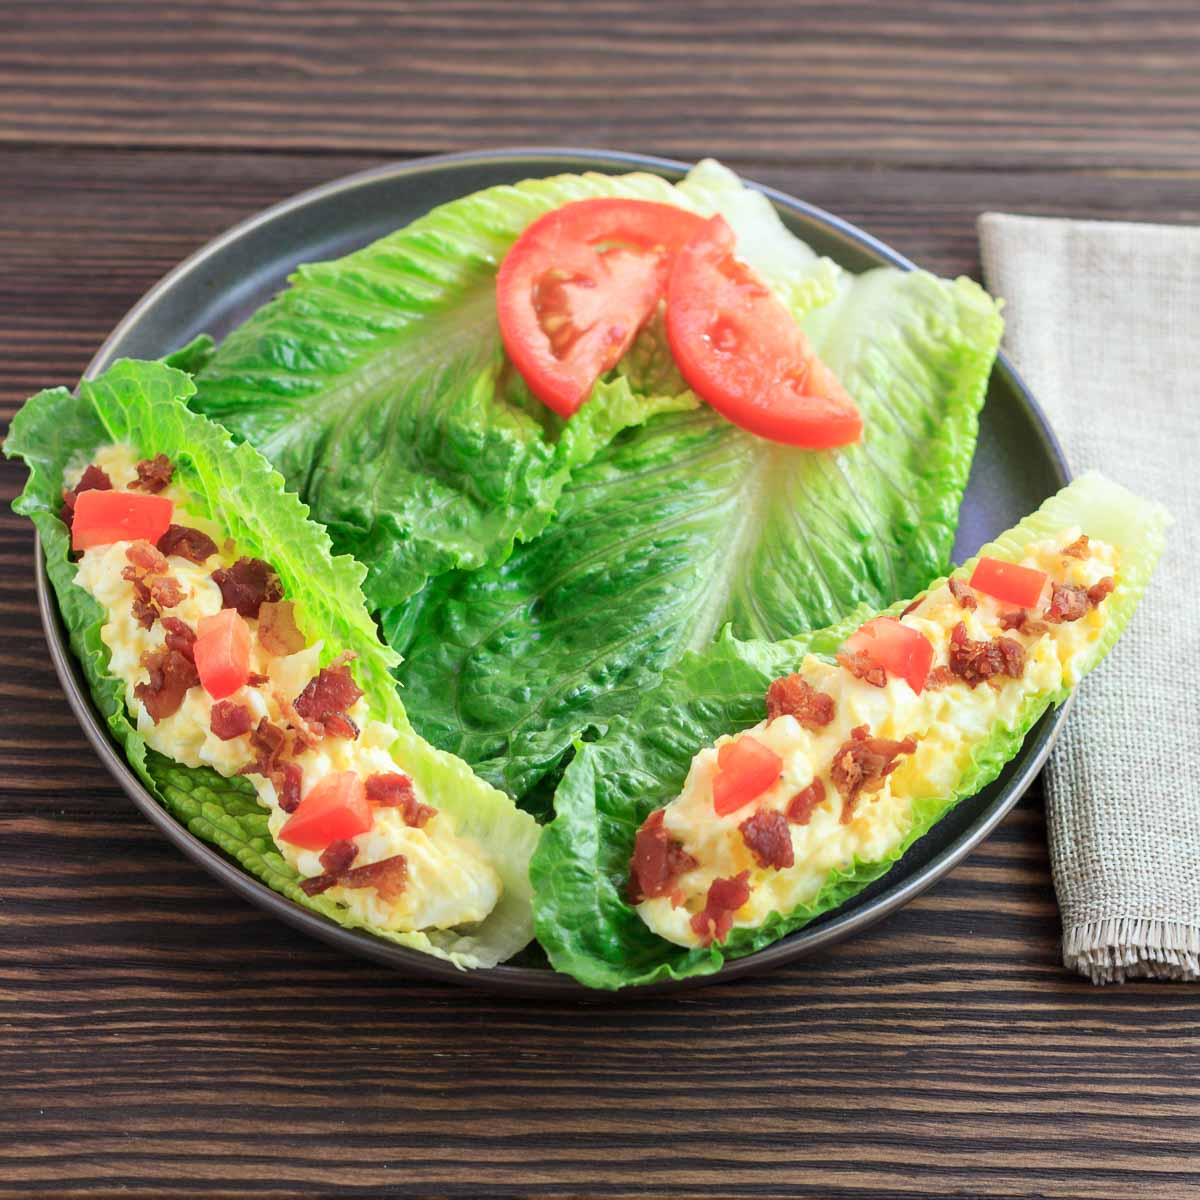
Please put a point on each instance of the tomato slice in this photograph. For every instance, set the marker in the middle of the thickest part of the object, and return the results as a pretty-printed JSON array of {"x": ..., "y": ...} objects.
[
  {"x": 335, "y": 808},
  {"x": 740, "y": 349},
  {"x": 222, "y": 653},
  {"x": 577, "y": 286},
  {"x": 745, "y": 769},
  {"x": 104, "y": 517},
  {"x": 901, "y": 651},
  {"x": 1010, "y": 583}
]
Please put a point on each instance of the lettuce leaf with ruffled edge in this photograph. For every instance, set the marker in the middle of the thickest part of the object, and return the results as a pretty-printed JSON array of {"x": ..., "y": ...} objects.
[
  {"x": 142, "y": 403},
  {"x": 581, "y": 867}
]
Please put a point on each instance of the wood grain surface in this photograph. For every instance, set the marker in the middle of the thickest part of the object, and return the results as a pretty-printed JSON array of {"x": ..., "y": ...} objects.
[{"x": 158, "y": 1037}]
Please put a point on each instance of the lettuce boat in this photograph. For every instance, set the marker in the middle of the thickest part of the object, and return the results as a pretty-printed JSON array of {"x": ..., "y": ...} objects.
[
  {"x": 231, "y": 489},
  {"x": 581, "y": 871}
]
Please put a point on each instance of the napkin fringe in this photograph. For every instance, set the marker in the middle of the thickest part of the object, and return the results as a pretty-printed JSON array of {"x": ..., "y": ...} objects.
[{"x": 1120, "y": 948}]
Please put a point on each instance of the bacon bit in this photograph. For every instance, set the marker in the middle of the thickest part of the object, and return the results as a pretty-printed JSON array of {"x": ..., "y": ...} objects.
[
  {"x": 267, "y": 741},
  {"x": 1067, "y": 603},
  {"x": 862, "y": 667},
  {"x": 93, "y": 479},
  {"x": 339, "y": 856},
  {"x": 287, "y": 780},
  {"x": 768, "y": 838},
  {"x": 388, "y": 877},
  {"x": 974, "y": 662},
  {"x": 793, "y": 696},
  {"x": 1079, "y": 548},
  {"x": 396, "y": 791},
  {"x": 658, "y": 860},
  {"x": 308, "y": 734},
  {"x": 247, "y": 585},
  {"x": 863, "y": 763},
  {"x": 254, "y": 679},
  {"x": 165, "y": 590},
  {"x": 1023, "y": 622},
  {"x": 939, "y": 677},
  {"x": 180, "y": 637},
  {"x": 144, "y": 559},
  {"x": 186, "y": 542},
  {"x": 913, "y": 606},
  {"x": 963, "y": 594},
  {"x": 171, "y": 675},
  {"x": 153, "y": 474},
  {"x": 1099, "y": 592},
  {"x": 277, "y": 629},
  {"x": 230, "y": 719},
  {"x": 143, "y": 609},
  {"x": 804, "y": 803},
  {"x": 725, "y": 896},
  {"x": 325, "y": 699}
]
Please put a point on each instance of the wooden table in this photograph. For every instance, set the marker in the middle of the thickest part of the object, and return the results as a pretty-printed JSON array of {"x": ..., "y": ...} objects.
[{"x": 157, "y": 1036}]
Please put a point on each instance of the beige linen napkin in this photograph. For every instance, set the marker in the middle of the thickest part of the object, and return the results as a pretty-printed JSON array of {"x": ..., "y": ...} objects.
[{"x": 1103, "y": 322}]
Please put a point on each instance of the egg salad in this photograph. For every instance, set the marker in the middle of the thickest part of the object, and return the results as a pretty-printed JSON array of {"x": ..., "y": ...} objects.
[
  {"x": 848, "y": 746},
  {"x": 343, "y": 813}
]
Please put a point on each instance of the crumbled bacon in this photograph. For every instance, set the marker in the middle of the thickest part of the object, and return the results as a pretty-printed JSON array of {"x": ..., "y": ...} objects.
[
  {"x": 962, "y": 593},
  {"x": 974, "y": 662},
  {"x": 186, "y": 542},
  {"x": 153, "y": 474},
  {"x": 768, "y": 838},
  {"x": 725, "y": 896},
  {"x": 307, "y": 734},
  {"x": 165, "y": 590},
  {"x": 1100, "y": 591},
  {"x": 914, "y": 605},
  {"x": 863, "y": 667},
  {"x": 863, "y": 763},
  {"x": 395, "y": 790},
  {"x": 257, "y": 679},
  {"x": 180, "y": 637},
  {"x": 805, "y": 802},
  {"x": 658, "y": 860},
  {"x": 339, "y": 856},
  {"x": 153, "y": 588},
  {"x": 171, "y": 674},
  {"x": 325, "y": 699},
  {"x": 1023, "y": 622},
  {"x": 144, "y": 559},
  {"x": 1067, "y": 603},
  {"x": 230, "y": 719},
  {"x": 388, "y": 877},
  {"x": 793, "y": 696},
  {"x": 267, "y": 741},
  {"x": 247, "y": 585},
  {"x": 93, "y": 479},
  {"x": 277, "y": 629},
  {"x": 287, "y": 779},
  {"x": 143, "y": 607},
  {"x": 939, "y": 677},
  {"x": 1079, "y": 548}
]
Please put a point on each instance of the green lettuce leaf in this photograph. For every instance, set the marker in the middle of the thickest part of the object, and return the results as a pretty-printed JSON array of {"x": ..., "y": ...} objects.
[
  {"x": 377, "y": 385},
  {"x": 686, "y": 524},
  {"x": 143, "y": 404},
  {"x": 581, "y": 867}
]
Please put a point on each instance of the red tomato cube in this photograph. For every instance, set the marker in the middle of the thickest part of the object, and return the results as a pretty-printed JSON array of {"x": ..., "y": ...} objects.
[
  {"x": 1010, "y": 583},
  {"x": 335, "y": 808},
  {"x": 745, "y": 769},
  {"x": 104, "y": 517},
  {"x": 888, "y": 643},
  {"x": 222, "y": 653}
]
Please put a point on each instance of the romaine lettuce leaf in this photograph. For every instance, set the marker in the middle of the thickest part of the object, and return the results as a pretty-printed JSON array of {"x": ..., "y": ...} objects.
[
  {"x": 688, "y": 523},
  {"x": 143, "y": 404},
  {"x": 581, "y": 867}
]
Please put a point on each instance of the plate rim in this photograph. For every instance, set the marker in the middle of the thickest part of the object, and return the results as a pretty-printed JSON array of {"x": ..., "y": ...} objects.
[{"x": 527, "y": 982}]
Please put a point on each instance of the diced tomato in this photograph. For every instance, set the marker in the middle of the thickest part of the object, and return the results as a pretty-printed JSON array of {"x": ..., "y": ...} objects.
[
  {"x": 1010, "y": 583},
  {"x": 888, "y": 643},
  {"x": 102, "y": 518},
  {"x": 577, "y": 286},
  {"x": 222, "y": 653},
  {"x": 745, "y": 769},
  {"x": 335, "y": 808},
  {"x": 740, "y": 349}
]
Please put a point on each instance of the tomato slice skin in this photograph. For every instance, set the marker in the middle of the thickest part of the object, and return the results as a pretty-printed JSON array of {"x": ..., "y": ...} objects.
[
  {"x": 335, "y": 808},
  {"x": 104, "y": 517},
  {"x": 900, "y": 650},
  {"x": 745, "y": 769},
  {"x": 222, "y": 653},
  {"x": 741, "y": 351},
  {"x": 577, "y": 286},
  {"x": 1010, "y": 583}
]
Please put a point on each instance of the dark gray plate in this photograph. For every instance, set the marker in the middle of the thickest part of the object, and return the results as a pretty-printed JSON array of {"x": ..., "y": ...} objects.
[{"x": 1017, "y": 465}]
